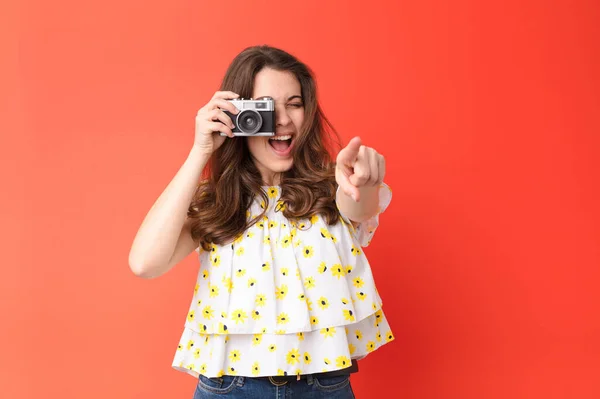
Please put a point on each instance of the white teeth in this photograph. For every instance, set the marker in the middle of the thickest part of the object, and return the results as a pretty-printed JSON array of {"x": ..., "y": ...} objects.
[{"x": 281, "y": 137}]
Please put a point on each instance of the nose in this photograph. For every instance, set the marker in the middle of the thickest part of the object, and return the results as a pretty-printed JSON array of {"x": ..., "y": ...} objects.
[{"x": 281, "y": 116}]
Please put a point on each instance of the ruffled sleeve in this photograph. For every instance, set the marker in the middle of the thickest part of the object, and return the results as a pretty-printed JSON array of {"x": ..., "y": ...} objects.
[{"x": 365, "y": 230}]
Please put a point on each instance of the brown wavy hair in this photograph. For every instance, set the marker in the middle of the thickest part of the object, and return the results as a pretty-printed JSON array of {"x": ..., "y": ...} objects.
[{"x": 231, "y": 179}]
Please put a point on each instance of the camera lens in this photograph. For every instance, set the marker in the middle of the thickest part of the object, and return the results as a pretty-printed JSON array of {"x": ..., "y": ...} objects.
[{"x": 249, "y": 121}]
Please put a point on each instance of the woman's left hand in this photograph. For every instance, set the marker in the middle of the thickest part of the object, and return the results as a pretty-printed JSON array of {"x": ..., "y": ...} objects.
[{"x": 358, "y": 166}]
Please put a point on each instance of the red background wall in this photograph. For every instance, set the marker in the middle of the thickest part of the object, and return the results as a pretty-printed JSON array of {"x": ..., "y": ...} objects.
[{"x": 487, "y": 259}]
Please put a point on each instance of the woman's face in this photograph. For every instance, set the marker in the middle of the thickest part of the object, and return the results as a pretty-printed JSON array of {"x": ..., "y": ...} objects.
[{"x": 271, "y": 154}]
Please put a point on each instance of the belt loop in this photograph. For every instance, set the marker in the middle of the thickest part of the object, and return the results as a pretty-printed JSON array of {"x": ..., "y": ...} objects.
[
  {"x": 240, "y": 381},
  {"x": 309, "y": 379}
]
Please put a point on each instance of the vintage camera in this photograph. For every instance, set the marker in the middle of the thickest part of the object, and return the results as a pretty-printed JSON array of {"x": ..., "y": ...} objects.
[{"x": 256, "y": 117}]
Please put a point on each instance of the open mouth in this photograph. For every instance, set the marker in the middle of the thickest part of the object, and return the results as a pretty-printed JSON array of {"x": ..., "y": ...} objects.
[{"x": 282, "y": 145}]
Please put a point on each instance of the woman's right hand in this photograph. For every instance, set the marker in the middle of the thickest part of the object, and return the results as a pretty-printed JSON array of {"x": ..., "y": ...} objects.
[{"x": 211, "y": 120}]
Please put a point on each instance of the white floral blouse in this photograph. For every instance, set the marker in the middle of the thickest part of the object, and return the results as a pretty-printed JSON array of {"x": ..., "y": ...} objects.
[{"x": 285, "y": 298}]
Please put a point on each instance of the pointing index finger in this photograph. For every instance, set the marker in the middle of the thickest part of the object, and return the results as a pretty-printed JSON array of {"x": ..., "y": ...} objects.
[{"x": 349, "y": 154}]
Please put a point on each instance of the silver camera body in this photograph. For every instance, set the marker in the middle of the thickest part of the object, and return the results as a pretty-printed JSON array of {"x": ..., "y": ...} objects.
[{"x": 256, "y": 117}]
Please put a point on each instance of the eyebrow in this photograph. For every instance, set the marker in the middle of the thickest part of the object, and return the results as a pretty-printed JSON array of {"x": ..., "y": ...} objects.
[{"x": 289, "y": 98}]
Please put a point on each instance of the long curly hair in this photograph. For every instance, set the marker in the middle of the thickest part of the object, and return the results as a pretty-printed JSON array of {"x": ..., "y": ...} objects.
[{"x": 231, "y": 180}]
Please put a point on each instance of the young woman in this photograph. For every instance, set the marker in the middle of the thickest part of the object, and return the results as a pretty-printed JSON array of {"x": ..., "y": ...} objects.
[{"x": 285, "y": 298}]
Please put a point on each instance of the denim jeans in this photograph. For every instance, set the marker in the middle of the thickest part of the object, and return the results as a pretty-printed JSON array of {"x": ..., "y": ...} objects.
[{"x": 262, "y": 388}]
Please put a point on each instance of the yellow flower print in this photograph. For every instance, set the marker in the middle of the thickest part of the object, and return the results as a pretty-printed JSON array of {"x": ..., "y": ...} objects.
[
  {"x": 324, "y": 233},
  {"x": 322, "y": 268},
  {"x": 302, "y": 225},
  {"x": 389, "y": 337},
  {"x": 205, "y": 274},
  {"x": 240, "y": 272},
  {"x": 263, "y": 205},
  {"x": 267, "y": 240},
  {"x": 351, "y": 349},
  {"x": 280, "y": 372},
  {"x": 228, "y": 284},
  {"x": 213, "y": 248},
  {"x": 231, "y": 371},
  {"x": 297, "y": 243},
  {"x": 358, "y": 334},
  {"x": 374, "y": 306},
  {"x": 238, "y": 239},
  {"x": 214, "y": 290},
  {"x": 307, "y": 358},
  {"x": 293, "y": 357},
  {"x": 370, "y": 346},
  {"x": 308, "y": 251},
  {"x": 202, "y": 327},
  {"x": 207, "y": 313},
  {"x": 272, "y": 348},
  {"x": 256, "y": 315},
  {"x": 327, "y": 361},
  {"x": 239, "y": 316},
  {"x": 309, "y": 282},
  {"x": 179, "y": 347},
  {"x": 362, "y": 296},
  {"x": 355, "y": 251},
  {"x": 257, "y": 339},
  {"x": 342, "y": 362},
  {"x": 273, "y": 192},
  {"x": 293, "y": 233},
  {"x": 215, "y": 260},
  {"x": 222, "y": 328},
  {"x": 199, "y": 302},
  {"x": 298, "y": 372},
  {"x": 260, "y": 300},
  {"x": 284, "y": 271},
  {"x": 196, "y": 289},
  {"x": 281, "y": 291},
  {"x": 280, "y": 207},
  {"x": 323, "y": 303},
  {"x": 378, "y": 337},
  {"x": 235, "y": 356},
  {"x": 239, "y": 251},
  {"x": 314, "y": 320},
  {"x": 266, "y": 266},
  {"x": 283, "y": 318},
  {"x": 224, "y": 314},
  {"x": 348, "y": 315},
  {"x": 358, "y": 282},
  {"x": 302, "y": 297},
  {"x": 314, "y": 219},
  {"x": 190, "y": 367},
  {"x": 338, "y": 271},
  {"x": 261, "y": 223},
  {"x": 203, "y": 368},
  {"x": 378, "y": 316},
  {"x": 190, "y": 344},
  {"x": 197, "y": 353},
  {"x": 300, "y": 336},
  {"x": 221, "y": 373},
  {"x": 328, "y": 332},
  {"x": 255, "y": 369},
  {"x": 298, "y": 274},
  {"x": 190, "y": 316},
  {"x": 285, "y": 241},
  {"x": 345, "y": 301},
  {"x": 280, "y": 332},
  {"x": 272, "y": 224},
  {"x": 251, "y": 282}
]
